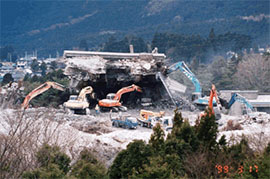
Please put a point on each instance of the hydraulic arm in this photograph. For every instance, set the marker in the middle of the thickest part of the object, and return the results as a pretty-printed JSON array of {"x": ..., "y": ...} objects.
[
  {"x": 241, "y": 99},
  {"x": 184, "y": 68},
  {"x": 113, "y": 100},
  {"x": 39, "y": 90},
  {"x": 213, "y": 94}
]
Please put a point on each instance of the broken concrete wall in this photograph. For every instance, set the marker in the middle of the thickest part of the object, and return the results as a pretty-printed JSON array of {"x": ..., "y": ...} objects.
[{"x": 109, "y": 75}]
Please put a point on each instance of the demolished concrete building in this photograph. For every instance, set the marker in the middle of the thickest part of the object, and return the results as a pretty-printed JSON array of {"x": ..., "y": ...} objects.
[
  {"x": 258, "y": 101},
  {"x": 108, "y": 72}
]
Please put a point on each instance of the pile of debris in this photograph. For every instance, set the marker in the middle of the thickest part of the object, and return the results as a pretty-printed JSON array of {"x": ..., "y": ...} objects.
[
  {"x": 111, "y": 70},
  {"x": 107, "y": 72},
  {"x": 72, "y": 132}
]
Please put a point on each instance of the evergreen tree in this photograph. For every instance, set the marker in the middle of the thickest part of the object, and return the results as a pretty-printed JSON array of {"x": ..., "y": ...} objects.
[
  {"x": 108, "y": 47},
  {"x": 83, "y": 45},
  {"x": 53, "y": 155},
  {"x": 212, "y": 35},
  {"x": 157, "y": 139},
  {"x": 43, "y": 68},
  {"x": 207, "y": 130},
  {"x": 156, "y": 168},
  {"x": 88, "y": 166},
  {"x": 194, "y": 65},
  {"x": 138, "y": 44},
  {"x": 53, "y": 65},
  {"x": 212, "y": 39},
  {"x": 130, "y": 160},
  {"x": 53, "y": 163},
  {"x": 35, "y": 66},
  {"x": 7, "y": 78}
]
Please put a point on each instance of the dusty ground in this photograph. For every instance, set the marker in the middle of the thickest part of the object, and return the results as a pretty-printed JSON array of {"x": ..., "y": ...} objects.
[{"x": 75, "y": 132}]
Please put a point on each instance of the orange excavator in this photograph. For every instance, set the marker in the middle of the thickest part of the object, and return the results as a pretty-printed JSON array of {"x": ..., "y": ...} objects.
[
  {"x": 112, "y": 100},
  {"x": 213, "y": 94},
  {"x": 41, "y": 89}
]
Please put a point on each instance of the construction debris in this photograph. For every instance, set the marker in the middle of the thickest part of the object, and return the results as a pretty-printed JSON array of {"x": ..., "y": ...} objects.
[
  {"x": 112, "y": 70},
  {"x": 108, "y": 72}
]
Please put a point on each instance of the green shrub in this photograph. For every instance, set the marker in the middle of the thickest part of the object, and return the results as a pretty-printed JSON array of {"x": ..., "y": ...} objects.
[
  {"x": 52, "y": 163},
  {"x": 88, "y": 167}
]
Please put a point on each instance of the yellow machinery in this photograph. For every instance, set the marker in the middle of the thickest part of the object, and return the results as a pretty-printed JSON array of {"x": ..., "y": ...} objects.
[
  {"x": 150, "y": 118},
  {"x": 79, "y": 104},
  {"x": 145, "y": 114}
]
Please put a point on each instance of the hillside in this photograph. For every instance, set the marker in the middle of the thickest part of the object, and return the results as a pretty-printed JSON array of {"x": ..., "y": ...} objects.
[{"x": 51, "y": 26}]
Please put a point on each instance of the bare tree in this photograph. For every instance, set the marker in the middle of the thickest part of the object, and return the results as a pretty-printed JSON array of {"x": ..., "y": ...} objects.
[
  {"x": 253, "y": 72},
  {"x": 21, "y": 135}
]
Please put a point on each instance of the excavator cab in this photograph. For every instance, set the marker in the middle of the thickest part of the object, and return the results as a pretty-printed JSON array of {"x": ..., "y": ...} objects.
[
  {"x": 73, "y": 97},
  {"x": 195, "y": 96},
  {"x": 110, "y": 96},
  {"x": 112, "y": 100}
]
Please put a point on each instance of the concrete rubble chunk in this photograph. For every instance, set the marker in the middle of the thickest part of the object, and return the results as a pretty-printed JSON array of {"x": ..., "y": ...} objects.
[{"x": 108, "y": 72}]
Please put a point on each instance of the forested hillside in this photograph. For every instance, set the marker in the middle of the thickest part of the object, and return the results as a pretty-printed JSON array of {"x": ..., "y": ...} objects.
[{"x": 51, "y": 26}]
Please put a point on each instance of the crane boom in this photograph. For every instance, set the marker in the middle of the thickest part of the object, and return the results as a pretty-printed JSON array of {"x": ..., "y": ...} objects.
[
  {"x": 39, "y": 90},
  {"x": 191, "y": 76}
]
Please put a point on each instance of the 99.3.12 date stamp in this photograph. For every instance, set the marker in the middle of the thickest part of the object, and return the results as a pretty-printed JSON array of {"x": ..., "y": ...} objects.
[{"x": 227, "y": 169}]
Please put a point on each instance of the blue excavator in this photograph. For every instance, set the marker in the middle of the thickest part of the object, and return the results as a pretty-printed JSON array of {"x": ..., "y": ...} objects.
[
  {"x": 251, "y": 112},
  {"x": 237, "y": 97},
  {"x": 197, "y": 97}
]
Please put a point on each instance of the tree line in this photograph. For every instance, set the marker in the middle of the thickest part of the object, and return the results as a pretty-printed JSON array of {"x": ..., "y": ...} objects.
[{"x": 184, "y": 47}]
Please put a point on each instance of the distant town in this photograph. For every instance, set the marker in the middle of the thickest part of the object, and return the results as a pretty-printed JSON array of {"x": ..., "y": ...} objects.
[{"x": 30, "y": 64}]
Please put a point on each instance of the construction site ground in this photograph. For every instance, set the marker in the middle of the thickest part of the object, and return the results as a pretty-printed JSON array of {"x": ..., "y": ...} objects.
[{"x": 75, "y": 132}]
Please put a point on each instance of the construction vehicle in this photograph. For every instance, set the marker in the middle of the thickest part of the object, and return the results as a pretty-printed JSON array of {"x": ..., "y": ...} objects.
[
  {"x": 39, "y": 90},
  {"x": 112, "y": 100},
  {"x": 197, "y": 97},
  {"x": 126, "y": 122},
  {"x": 79, "y": 104},
  {"x": 166, "y": 122},
  {"x": 237, "y": 97},
  {"x": 217, "y": 113},
  {"x": 150, "y": 118},
  {"x": 250, "y": 110}
]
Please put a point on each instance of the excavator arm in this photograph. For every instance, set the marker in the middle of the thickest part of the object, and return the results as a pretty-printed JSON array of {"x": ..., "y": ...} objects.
[
  {"x": 39, "y": 90},
  {"x": 126, "y": 90},
  {"x": 241, "y": 99},
  {"x": 213, "y": 94},
  {"x": 84, "y": 91},
  {"x": 191, "y": 76}
]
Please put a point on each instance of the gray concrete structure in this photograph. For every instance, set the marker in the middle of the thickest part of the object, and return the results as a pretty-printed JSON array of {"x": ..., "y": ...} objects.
[
  {"x": 114, "y": 55},
  {"x": 248, "y": 94},
  {"x": 260, "y": 102}
]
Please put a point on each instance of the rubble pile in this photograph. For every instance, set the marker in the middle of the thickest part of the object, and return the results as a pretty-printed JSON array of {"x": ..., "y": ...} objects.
[
  {"x": 93, "y": 127},
  {"x": 110, "y": 74},
  {"x": 72, "y": 132}
]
